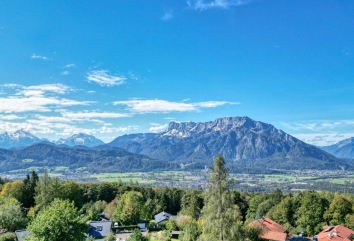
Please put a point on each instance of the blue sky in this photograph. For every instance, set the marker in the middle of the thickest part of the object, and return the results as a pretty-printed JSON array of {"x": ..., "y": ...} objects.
[{"x": 114, "y": 67}]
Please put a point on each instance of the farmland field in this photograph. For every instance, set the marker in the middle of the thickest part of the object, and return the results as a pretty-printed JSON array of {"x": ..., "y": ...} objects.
[{"x": 288, "y": 181}]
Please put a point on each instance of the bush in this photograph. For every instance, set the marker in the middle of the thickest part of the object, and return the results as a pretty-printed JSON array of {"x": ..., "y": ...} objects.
[{"x": 8, "y": 237}]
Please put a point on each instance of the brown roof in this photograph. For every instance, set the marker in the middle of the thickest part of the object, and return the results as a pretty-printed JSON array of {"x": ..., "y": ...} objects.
[
  {"x": 270, "y": 229},
  {"x": 335, "y": 233}
]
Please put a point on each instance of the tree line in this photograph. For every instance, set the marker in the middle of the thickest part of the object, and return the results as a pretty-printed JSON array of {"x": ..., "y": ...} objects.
[{"x": 218, "y": 213}]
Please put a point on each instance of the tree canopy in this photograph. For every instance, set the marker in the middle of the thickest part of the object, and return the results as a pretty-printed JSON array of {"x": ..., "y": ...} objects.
[{"x": 59, "y": 221}]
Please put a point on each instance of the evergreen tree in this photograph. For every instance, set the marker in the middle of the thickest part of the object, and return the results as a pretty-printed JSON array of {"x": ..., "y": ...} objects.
[
  {"x": 191, "y": 203},
  {"x": 220, "y": 216},
  {"x": 29, "y": 189},
  {"x": 47, "y": 190}
]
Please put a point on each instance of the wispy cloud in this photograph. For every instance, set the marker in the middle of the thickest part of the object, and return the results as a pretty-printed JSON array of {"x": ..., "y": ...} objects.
[
  {"x": 69, "y": 66},
  {"x": 61, "y": 127},
  {"x": 155, "y": 127},
  {"x": 209, "y": 4},
  {"x": 103, "y": 78},
  {"x": 320, "y": 132},
  {"x": 37, "y": 98},
  {"x": 346, "y": 51},
  {"x": 164, "y": 106},
  {"x": 89, "y": 115},
  {"x": 168, "y": 15},
  {"x": 65, "y": 73},
  {"x": 323, "y": 139},
  {"x": 11, "y": 117},
  {"x": 35, "y": 56},
  {"x": 319, "y": 125}
]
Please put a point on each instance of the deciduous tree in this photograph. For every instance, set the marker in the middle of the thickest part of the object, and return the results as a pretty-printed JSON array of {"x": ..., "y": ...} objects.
[
  {"x": 11, "y": 216},
  {"x": 59, "y": 221},
  {"x": 129, "y": 208},
  {"x": 339, "y": 208}
]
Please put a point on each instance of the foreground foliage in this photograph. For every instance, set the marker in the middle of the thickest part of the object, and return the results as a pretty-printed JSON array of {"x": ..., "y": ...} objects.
[{"x": 58, "y": 222}]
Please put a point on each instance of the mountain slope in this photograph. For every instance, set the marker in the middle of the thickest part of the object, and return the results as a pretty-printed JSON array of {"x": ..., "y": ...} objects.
[
  {"x": 17, "y": 139},
  {"x": 80, "y": 139},
  {"x": 240, "y": 140},
  {"x": 342, "y": 149},
  {"x": 108, "y": 159}
]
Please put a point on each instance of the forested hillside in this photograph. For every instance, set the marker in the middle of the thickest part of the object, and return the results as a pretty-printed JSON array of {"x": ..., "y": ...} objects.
[{"x": 22, "y": 201}]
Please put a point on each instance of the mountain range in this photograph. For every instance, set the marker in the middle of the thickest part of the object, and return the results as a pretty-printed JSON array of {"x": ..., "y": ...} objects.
[
  {"x": 342, "y": 149},
  {"x": 21, "y": 139},
  {"x": 80, "y": 139},
  {"x": 243, "y": 142},
  {"x": 240, "y": 140}
]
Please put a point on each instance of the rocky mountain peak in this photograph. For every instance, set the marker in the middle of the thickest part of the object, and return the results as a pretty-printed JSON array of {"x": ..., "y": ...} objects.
[
  {"x": 240, "y": 140},
  {"x": 80, "y": 139}
]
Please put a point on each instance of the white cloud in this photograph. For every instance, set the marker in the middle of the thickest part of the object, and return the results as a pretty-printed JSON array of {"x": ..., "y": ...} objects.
[
  {"x": 323, "y": 139},
  {"x": 155, "y": 128},
  {"x": 168, "y": 15},
  {"x": 318, "y": 126},
  {"x": 90, "y": 115},
  {"x": 10, "y": 117},
  {"x": 34, "y": 56},
  {"x": 69, "y": 66},
  {"x": 209, "y": 4},
  {"x": 163, "y": 106},
  {"x": 65, "y": 72},
  {"x": 38, "y": 104},
  {"x": 37, "y": 98},
  {"x": 103, "y": 78},
  {"x": 40, "y": 90}
]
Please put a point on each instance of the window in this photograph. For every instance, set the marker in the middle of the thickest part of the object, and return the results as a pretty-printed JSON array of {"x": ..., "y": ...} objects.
[{"x": 99, "y": 228}]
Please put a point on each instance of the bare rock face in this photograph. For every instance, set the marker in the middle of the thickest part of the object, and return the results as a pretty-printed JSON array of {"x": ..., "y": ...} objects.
[{"x": 240, "y": 140}]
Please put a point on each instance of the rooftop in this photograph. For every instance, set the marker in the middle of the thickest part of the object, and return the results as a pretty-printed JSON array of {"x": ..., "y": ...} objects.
[{"x": 336, "y": 233}]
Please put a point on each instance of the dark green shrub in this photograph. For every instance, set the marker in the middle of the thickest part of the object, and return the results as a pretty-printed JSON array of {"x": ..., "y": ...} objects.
[{"x": 8, "y": 237}]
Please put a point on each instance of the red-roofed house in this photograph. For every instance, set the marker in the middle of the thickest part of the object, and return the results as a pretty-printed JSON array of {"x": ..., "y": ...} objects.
[
  {"x": 270, "y": 229},
  {"x": 335, "y": 233}
]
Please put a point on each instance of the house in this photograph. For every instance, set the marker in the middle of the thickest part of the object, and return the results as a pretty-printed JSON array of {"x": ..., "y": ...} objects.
[
  {"x": 335, "y": 233},
  {"x": 21, "y": 234},
  {"x": 100, "y": 229},
  {"x": 270, "y": 229},
  {"x": 143, "y": 224},
  {"x": 161, "y": 217}
]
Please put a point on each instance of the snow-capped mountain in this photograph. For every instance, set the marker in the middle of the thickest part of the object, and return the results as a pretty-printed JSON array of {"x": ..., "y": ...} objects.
[
  {"x": 18, "y": 139},
  {"x": 342, "y": 149},
  {"x": 80, "y": 139},
  {"x": 240, "y": 140}
]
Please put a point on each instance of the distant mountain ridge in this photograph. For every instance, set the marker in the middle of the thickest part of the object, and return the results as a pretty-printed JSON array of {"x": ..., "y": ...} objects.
[
  {"x": 97, "y": 159},
  {"x": 240, "y": 140},
  {"x": 17, "y": 139},
  {"x": 21, "y": 139},
  {"x": 80, "y": 139},
  {"x": 342, "y": 149}
]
